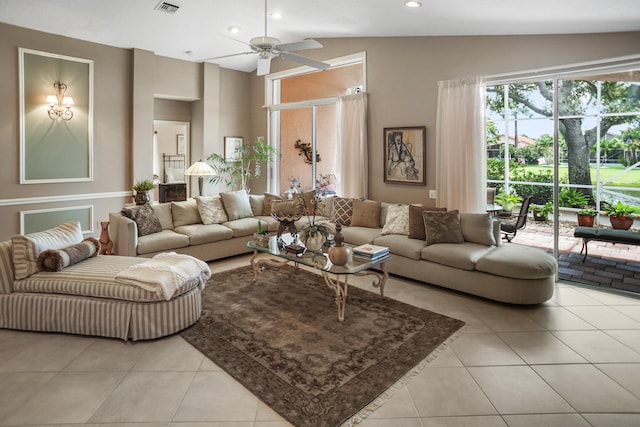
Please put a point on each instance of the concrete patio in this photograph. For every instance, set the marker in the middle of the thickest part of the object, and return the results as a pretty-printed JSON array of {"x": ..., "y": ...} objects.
[{"x": 608, "y": 265}]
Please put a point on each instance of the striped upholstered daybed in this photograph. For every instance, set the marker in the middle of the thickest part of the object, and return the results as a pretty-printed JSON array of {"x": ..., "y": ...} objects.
[{"x": 84, "y": 298}]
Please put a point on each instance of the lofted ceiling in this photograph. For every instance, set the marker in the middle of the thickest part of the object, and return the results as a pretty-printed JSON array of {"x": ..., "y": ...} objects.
[{"x": 199, "y": 28}]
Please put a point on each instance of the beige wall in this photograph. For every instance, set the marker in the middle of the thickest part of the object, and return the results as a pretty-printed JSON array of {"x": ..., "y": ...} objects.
[{"x": 403, "y": 75}]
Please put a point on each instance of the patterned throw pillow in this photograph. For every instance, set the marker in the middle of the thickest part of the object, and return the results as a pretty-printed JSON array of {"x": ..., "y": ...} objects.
[
  {"x": 145, "y": 219},
  {"x": 342, "y": 210},
  {"x": 366, "y": 213},
  {"x": 268, "y": 198},
  {"x": 397, "y": 221},
  {"x": 442, "y": 227},
  {"x": 211, "y": 210},
  {"x": 416, "y": 222}
]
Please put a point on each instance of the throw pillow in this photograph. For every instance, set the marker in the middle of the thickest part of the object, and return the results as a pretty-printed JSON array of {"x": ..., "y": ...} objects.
[
  {"x": 307, "y": 201},
  {"x": 57, "y": 259},
  {"x": 26, "y": 249},
  {"x": 268, "y": 198},
  {"x": 477, "y": 228},
  {"x": 442, "y": 227},
  {"x": 163, "y": 212},
  {"x": 236, "y": 204},
  {"x": 342, "y": 210},
  {"x": 174, "y": 175},
  {"x": 211, "y": 210},
  {"x": 185, "y": 213},
  {"x": 416, "y": 222},
  {"x": 287, "y": 207},
  {"x": 145, "y": 219},
  {"x": 397, "y": 221},
  {"x": 366, "y": 213},
  {"x": 256, "y": 201}
]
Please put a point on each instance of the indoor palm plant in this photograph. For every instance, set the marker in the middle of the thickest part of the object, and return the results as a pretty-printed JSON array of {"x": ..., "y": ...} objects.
[
  {"x": 248, "y": 164},
  {"x": 620, "y": 215}
]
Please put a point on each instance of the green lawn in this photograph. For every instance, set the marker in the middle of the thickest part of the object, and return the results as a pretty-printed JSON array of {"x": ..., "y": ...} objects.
[{"x": 629, "y": 179}]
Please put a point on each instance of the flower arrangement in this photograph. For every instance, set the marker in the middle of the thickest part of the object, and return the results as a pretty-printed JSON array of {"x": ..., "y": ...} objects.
[{"x": 314, "y": 226}]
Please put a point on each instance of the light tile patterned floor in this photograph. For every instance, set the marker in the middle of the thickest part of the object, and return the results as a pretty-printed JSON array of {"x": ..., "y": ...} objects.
[{"x": 573, "y": 361}]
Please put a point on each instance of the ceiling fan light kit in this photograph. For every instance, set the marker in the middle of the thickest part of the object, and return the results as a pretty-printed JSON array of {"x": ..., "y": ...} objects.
[{"x": 268, "y": 48}]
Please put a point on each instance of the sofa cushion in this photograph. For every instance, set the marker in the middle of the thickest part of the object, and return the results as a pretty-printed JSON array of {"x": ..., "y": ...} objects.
[
  {"x": 518, "y": 262},
  {"x": 397, "y": 220},
  {"x": 269, "y": 223},
  {"x": 463, "y": 256},
  {"x": 442, "y": 227},
  {"x": 416, "y": 221},
  {"x": 268, "y": 198},
  {"x": 57, "y": 259},
  {"x": 26, "y": 248},
  {"x": 477, "y": 228},
  {"x": 342, "y": 210},
  {"x": 256, "y": 201},
  {"x": 144, "y": 217},
  {"x": 236, "y": 204},
  {"x": 165, "y": 240},
  {"x": 200, "y": 233},
  {"x": 185, "y": 213},
  {"x": 402, "y": 245},
  {"x": 242, "y": 227},
  {"x": 360, "y": 235},
  {"x": 6, "y": 268},
  {"x": 163, "y": 212},
  {"x": 366, "y": 213},
  {"x": 211, "y": 210}
]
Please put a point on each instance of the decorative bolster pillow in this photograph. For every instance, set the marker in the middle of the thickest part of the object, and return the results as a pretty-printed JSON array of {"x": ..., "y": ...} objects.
[{"x": 56, "y": 260}]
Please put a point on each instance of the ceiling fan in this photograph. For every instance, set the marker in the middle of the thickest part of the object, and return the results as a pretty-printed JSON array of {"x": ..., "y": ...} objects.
[{"x": 268, "y": 48}]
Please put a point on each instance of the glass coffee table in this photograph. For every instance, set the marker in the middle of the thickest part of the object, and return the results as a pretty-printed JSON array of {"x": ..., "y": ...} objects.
[{"x": 336, "y": 277}]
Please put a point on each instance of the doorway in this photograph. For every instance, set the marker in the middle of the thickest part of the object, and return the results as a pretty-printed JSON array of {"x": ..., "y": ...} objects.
[{"x": 171, "y": 148}]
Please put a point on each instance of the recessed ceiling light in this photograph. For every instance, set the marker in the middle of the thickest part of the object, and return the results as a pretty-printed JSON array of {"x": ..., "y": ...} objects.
[
  {"x": 234, "y": 29},
  {"x": 276, "y": 15},
  {"x": 411, "y": 3}
]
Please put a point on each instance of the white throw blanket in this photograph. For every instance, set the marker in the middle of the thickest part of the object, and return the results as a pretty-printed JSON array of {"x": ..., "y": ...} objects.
[{"x": 165, "y": 273}]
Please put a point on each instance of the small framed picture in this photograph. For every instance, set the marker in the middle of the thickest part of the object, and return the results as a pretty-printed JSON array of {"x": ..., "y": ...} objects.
[
  {"x": 182, "y": 144},
  {"x": 405, "y": 157},
  {"x": 232, "y": 148}
]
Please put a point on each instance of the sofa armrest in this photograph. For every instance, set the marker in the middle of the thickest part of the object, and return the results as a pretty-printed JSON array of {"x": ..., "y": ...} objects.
[{"x": 124, "y": 234}]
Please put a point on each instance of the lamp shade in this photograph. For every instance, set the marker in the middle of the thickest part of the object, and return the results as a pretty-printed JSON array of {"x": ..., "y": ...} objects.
[{"x": 200, "y": 168}]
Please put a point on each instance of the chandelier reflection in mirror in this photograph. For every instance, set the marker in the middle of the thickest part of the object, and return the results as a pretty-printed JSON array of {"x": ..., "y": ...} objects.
[{"x": 60, "y": 105}]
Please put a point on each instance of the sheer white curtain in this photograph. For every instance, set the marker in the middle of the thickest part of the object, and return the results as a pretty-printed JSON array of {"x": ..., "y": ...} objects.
[
  {"x": 460, "y": 153},
  {"x": 352, "y": 138}
]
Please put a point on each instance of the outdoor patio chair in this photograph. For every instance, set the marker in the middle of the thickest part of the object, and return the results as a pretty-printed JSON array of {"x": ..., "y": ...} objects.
[{"x": 510, "y": 226}]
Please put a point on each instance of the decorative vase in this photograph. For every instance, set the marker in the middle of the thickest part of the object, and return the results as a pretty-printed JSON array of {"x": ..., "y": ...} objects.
[
  {"x": 621, "y": 223},
  {"x": 141, "y": 197},
  {"x": 339, "y": 253},
  {"x": 314, "y": 242},
  {"x": 586, "y": 220}
]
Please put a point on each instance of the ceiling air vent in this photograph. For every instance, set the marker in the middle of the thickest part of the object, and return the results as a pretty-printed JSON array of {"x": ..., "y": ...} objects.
[{"x": 167, "y": 7}]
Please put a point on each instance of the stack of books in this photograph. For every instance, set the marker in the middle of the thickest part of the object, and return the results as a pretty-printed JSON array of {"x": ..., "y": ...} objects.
[{"x": 370, "y": 253}]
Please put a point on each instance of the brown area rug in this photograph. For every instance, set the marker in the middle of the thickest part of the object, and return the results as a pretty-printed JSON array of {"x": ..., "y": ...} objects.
[{"x": 280, "y": 337}]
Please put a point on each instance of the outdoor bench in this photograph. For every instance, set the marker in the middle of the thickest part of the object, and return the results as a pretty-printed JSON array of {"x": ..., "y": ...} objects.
[{"x": 588, "y": 234}]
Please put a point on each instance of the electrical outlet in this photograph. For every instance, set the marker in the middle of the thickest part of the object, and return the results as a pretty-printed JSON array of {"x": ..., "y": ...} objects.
[{"x": 432, "y": 194}]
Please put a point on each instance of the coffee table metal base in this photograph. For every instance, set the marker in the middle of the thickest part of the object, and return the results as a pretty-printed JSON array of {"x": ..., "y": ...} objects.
[{"x": 339, "y": 283}]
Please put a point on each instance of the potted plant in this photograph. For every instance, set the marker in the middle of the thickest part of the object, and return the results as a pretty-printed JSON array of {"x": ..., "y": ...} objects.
[
  {"x": 142, "y": 189},
  {"x": 246, "y": 166},
  {"x": 587, "y": 216},
  {"x": 261, "y": 236},
  {"x": 620, "y": 215},
  {"x": 541, "y": 212},
  {"x": 314, "y": 233}
]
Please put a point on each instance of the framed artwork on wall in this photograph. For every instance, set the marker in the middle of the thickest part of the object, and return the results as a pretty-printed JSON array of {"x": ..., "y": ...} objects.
[
  {"x": 182, "y": 145},
  {"x": 56, "y": 117},
  {"x": 232, "y": 148},
  {"x": 405, "y": 155}
]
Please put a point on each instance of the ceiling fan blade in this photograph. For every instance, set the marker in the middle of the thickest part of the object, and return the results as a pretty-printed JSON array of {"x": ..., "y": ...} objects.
[
  {"x": 228, "y": 56},
  {"x": 236, "y": 40},
  {"x": 264, "y": 65},
  {"x": 302, "y": 45},
  {"x": 304, "y": 60}
]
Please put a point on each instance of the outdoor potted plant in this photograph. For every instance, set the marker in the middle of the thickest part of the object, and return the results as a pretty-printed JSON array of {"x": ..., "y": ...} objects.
[
  {"x": 507, "y": 201},
  {"x": 142, "y": 189},
  {"x": 541, "y": 212},
  {"x": 587, "y": 216},
  {"x": 620, "y": 215}
]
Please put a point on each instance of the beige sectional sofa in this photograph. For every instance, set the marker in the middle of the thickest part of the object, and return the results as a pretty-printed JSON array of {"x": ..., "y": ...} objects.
[{"x": 476, "y": 263}]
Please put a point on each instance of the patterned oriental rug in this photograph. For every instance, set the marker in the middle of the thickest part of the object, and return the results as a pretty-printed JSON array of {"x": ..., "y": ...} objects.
[{"x": 280, "y": 337}]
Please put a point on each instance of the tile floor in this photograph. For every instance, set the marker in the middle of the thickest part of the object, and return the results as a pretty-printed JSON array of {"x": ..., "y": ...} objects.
[{"x": 573, "y": 361}]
